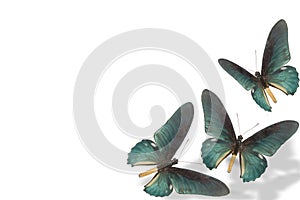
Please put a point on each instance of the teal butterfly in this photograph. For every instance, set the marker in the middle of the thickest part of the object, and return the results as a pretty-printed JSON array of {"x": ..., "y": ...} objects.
[
  {"x": 167, "y": 140},
  {"x": 224, "y": 142},
  {"x": 274, "y": 73}
]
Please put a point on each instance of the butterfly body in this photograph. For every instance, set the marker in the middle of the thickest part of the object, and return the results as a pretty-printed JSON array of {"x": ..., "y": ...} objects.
[
  {"x": 167, "y": 164},
  {"x": 161, "y": 153},
  {"x": 237, "y": 145},
  {"x": 251, "y": 151},
  {"x": 260, "y": 79},
  {"x": 273, "y": 73}
]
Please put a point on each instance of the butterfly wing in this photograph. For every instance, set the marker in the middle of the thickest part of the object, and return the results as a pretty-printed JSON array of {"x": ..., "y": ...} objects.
[
  {"x": 214, "y": 152},
  {"x": 259, "y": 96},
  {"x": 276, "y": 53},
  {"x": 143, "y": 153},
  {"x": 160, "y": 185},
  {"x": 185, "y": 182},
  {"x": 265, "y": 142},
  {"x": 247, "y": 80},
  {"x": 167, "y": 139},
  {"x": 171, "y": 135},
  {"x": 252, "y": 165},
  {"x": 190, "y": 182},
  {"x": 285, "y": 79},
  {"x": 218, "y": 125}
]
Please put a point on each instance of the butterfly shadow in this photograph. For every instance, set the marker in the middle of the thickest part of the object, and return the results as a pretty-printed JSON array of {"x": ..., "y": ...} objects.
[{"x": 282, "y": 172}]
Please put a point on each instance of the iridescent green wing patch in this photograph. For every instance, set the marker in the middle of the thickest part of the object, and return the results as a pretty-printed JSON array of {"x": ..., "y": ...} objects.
[
  {"x": 160, "y": 185},
  {"x": 143, "y": 153},
  {"x": 253, "y": 165},
  {"x": 214, "y": 152},
  {"x": 260, "y": 97},
  {"x": 285, "y": 79}
]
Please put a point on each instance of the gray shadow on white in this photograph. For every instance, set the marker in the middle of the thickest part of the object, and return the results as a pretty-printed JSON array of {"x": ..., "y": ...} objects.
[{"x": 282, "y": 172}]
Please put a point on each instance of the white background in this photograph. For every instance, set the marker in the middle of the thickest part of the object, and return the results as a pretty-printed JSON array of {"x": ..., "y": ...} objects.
[{"x": 42, "y": 48}]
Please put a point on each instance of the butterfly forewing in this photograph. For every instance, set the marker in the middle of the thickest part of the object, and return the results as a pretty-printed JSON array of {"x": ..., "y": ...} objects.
[
  {"x": 218, "y": 125},
  {"x": 217, "y": 121},
  {"x": 247, "y": 80},
  {"x": 171, "y": 135},
  {"x": 276, "y": 53},
  {"x": 268, "y": 140},
  {"x": 186, "y": 181},
  {"x": 167, "y": 139}
]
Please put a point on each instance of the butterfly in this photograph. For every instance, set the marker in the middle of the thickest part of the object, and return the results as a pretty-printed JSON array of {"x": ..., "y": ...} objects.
[
  {"x": 224, "y": 141},
  {"x": 273, "y": 73},
  {"x": 167, "y": 140}
]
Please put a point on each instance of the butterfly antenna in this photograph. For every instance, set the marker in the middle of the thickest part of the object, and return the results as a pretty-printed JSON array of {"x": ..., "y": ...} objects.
[
  {"x": 255, "y": 60},
  {"x": 198, "y": 163},
  {"x": 238, "y": 121},
  {"x": 251, "y": 128}
]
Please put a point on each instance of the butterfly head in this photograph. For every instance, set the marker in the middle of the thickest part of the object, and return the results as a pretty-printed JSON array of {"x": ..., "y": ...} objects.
[
  {"x": 174, "y": 161},
  {"x": 257, "y": 74},
  {"x": 240, "y": 138}
]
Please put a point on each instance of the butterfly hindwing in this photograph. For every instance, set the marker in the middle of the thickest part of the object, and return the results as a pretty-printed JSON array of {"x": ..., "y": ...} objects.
[
  {"x": 143, "y": 153},
  {"x": 252, "y": 164},
  {"x": 276, "y": 53},
  {"x": 260, "y": 97},
  {"x": 246, "y": 79},
  {"x": 285, "y": 79},
  {"x": 214, "y": 152},
  {"x": 160, "y": 185}
]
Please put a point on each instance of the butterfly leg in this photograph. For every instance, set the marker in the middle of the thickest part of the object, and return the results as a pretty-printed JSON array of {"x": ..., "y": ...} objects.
[{"x": 271, "y": 94}]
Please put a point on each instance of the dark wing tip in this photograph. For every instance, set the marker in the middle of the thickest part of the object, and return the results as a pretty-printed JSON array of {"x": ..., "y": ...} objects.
[
  {"x": 187, "y": 109},
  {"x": 221, "y": 60},
  {"x": 292, "y": 124},
  {"x": 221, "y": 188},
  {"x": 281, "y": 21},
  {"x": 188, "y": 106},
  {"x": 207, "y": 93}
]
